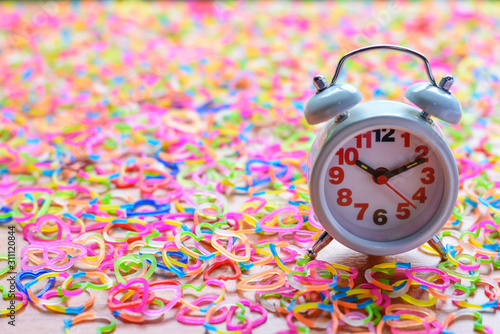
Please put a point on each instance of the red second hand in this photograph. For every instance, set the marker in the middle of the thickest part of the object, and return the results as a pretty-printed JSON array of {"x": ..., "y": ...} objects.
[{"x": 400, "y": 195}]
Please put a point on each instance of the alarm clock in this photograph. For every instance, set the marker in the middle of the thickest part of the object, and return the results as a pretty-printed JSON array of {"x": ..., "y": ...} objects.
[{"x": 382, "y": 179}]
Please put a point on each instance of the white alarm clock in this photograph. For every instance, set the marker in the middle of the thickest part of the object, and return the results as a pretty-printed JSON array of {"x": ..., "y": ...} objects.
[{"x": 382, "y": 179}]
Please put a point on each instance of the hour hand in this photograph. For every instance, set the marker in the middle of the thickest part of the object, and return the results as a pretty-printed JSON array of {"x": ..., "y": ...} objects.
[
  {"x": 404, "y": 168},
  {"x": 366, "y": 168}
]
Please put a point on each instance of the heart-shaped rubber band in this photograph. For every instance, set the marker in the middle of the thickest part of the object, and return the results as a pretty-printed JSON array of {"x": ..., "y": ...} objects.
[
  {"x": 140, "y": 286},
  {"x": 25, "y": 274},
  {"x": 231, "y": 263},
  {"x": 248, "y": 325},
  {"x": 200, "y": 288},
  {"x": 132, "y": 259},
  {"x": 184, "y": 317},
  {"x": 246, "y": 286},
  {"x": 216, "y": 237}
]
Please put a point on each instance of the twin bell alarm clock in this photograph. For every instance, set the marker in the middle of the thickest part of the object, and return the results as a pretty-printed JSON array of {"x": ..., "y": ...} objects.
[{"x": 382, "y": 179}]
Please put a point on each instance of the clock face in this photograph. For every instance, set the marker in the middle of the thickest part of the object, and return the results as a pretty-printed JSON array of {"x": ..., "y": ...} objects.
[{"x": 384, "y": 183}]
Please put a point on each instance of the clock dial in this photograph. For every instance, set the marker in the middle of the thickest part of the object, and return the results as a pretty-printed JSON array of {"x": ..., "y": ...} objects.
[{"x": 384, "y": 184}]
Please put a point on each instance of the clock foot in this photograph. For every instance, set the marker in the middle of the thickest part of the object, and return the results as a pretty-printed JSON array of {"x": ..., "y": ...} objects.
[
  {"x": 323, "y": 240},
  {"x": 438, "y": 246}
]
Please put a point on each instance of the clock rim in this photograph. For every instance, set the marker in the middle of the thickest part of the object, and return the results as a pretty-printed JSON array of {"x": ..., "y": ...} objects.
[{"x": 390, "y": 114}]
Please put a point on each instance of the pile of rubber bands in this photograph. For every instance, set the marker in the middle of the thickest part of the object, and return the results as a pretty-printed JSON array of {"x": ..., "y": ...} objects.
[{"x": 146, "y": 147}]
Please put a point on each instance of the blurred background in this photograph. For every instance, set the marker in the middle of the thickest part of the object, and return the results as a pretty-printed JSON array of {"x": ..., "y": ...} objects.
[{"x": 110, "y": 54}]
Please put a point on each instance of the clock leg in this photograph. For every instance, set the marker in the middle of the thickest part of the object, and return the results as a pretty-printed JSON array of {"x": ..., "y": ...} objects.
[
  {"x": 323, "y": 240},
  {"x": 438, "y": 246}
]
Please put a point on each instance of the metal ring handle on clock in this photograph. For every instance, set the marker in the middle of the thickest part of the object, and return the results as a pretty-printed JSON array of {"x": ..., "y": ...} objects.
[
  {"x": 333, "y": 100},
  {"x": 398, "y": 48}
]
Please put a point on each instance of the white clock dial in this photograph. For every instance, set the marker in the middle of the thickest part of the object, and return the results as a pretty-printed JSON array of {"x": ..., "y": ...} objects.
[{"x": 384, "y": 179}]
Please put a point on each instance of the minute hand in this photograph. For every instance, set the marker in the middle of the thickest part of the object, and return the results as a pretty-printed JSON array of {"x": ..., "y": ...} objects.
[{"x": 404, "y": 168}]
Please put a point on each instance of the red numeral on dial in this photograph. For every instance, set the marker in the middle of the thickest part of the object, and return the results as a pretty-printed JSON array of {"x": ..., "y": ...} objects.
[
  {"x": 429, "y": 175},
  {"x": 406, "y": 137},
  {"x": 405, "y": 212},
  {"x": 420, "y": 195},
  {"x": 367, "y": 136},
  {"x": 363, "y": 207},
  {"x": 336, "y": 174},
  {"x": 344, "y": 198},
  {"x": 349, "y": 155},
  {"x": 424, "y": 149}
]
